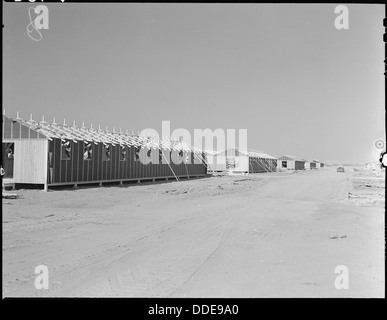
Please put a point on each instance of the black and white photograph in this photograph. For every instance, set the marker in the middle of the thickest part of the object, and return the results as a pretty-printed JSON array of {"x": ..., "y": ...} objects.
[{"x": 193, "y": 150}]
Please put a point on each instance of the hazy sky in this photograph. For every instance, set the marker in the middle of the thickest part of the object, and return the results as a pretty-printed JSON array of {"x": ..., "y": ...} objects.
[{"x": 283, "y": 72}]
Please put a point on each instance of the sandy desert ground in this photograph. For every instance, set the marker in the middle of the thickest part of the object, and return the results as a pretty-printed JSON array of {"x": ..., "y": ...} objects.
[{"x": 263, "y": 235}]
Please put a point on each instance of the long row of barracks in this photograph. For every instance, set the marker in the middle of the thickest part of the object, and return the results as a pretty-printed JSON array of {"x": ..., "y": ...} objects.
[{"x": 59, "y": 154}]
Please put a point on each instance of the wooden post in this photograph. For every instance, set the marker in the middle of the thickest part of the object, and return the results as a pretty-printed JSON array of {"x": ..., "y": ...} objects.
[{"x": 47, "y": 167}]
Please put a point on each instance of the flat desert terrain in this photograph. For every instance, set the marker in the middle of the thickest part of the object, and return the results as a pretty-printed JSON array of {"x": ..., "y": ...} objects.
[{"x": 262, "y": 235}]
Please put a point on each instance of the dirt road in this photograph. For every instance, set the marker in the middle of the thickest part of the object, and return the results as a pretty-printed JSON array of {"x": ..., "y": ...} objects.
[{"x": 264, "y": 235}]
